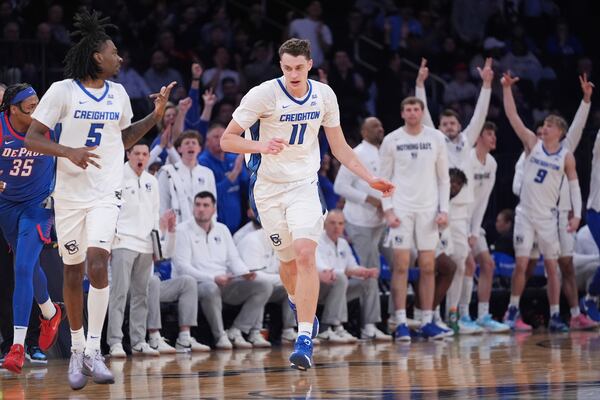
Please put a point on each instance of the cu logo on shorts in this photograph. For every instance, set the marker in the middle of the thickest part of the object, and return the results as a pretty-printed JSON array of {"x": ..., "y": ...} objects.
[
  {"x": 275, "y": 239},
  {"x": 519, "y": 239},
  {"x": 72, "y": 246},
  {"x": 398, "y": 239}
]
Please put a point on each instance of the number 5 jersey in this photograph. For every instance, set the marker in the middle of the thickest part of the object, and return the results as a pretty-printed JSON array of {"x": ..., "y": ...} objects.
[{"x": 87, "y": 117}]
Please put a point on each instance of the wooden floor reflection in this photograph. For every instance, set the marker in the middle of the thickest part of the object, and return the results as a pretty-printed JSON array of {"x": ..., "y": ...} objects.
[{"x": 489, "y": 366}]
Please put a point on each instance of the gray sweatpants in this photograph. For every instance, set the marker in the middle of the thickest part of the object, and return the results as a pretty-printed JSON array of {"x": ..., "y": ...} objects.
[
  {"x": 333, "y": 297},
  {"x": 366, "y": 242},
  {"x": 367, "y": 291},
  {"x": 130, "y": 272},
  {"x": 252, "y": 294},
  {"x": 280, "y": 296},
  {"x": 181, "y": 289}
]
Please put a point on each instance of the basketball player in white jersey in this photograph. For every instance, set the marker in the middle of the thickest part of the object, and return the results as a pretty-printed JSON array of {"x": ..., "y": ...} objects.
[
  {"x": 414, "y": 157},
  {"x": 578, "y": 320},
  {"x": 281, "y": 118},
  {"x": 459, "y": 143},
  {"x": 546, "y": 164},
  {"x": 483, "y": 178},
  {"x": 93, "y": 116}
]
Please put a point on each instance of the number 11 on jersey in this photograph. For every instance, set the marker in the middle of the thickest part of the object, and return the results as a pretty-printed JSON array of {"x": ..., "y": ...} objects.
[{"x": 295, "y": 133}]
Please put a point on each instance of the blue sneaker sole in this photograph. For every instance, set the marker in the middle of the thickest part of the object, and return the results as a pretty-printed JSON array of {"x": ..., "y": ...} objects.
[{"x": 300, "y": 362}]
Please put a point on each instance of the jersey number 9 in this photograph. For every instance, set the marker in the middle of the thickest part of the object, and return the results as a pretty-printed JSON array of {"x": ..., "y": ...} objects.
[
  {"x": 540, "y": 176},
  {"x": 94, "y": 135}
]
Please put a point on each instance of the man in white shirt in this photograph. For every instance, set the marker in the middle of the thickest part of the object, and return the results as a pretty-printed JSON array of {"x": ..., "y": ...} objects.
[
  {"x": 334, "y": 254},
  {"x": 131, "y": 261},
  {"x": 362, "y": 210},
  {"x": 483, "y": 178},
  {"x": 256, "y": 251},
  {"x": 180, "y": 182},
  {"x": 459, "y": 143},
  {"x": 414, "y": 157},
  {"x": 206, "y": 252}
]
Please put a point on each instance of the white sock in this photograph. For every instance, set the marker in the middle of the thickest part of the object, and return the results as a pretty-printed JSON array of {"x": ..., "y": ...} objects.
[
  {"x": 97, "y": 304},
  {"x": 463, "y": 310},
  {"x": 554, "y": 309},
  {"x": 77, "y": 340},
  {"x": 418, "y": 314},
  {"x": 514, "y": 301},
  {"x": 436, "y": 314},
  {"x": 400, "y": 316},
  {"x": 426, "y": 317},
  {"x": 483, "y": 309},
  {"x": 19, "y": 335},
  {"x": 155, "y": 335},
  {"x": 575, "y": 312},
  {"x": 184, "y": 336},
  {"x": 305, "y": 328},
  {"x": 48, "y": 310}
]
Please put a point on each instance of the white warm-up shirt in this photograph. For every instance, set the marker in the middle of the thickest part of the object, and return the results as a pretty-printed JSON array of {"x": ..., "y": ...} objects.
[
  {"x": 482, "y": 179},
  {"x": 83, "y": 117},
  {"x": 337, "y": 256},
  {"x": 418, "y": 166},
  {"x": 257, "y": 252},
  {"x": 355, "y": 190},
  {"x": 205, "y": 255}
]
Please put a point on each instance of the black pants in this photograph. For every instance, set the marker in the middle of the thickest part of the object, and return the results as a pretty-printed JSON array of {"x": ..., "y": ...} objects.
[{"x": 7, "y": 275}]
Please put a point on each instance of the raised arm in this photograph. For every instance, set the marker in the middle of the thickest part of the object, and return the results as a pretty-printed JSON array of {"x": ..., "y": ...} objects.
[
  {"x": 576, "y": 129},
  {"x": 526, "y": 135},
  {"x": 420, "y": 93},
  {"x": 345, "y": 155},
  {"x": 475, "y": 126},
  {"x": 575, "y": 192},
  {"x": 134, "y": 132}
]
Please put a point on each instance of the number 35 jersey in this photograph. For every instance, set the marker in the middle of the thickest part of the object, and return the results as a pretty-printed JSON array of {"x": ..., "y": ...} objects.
[
  {"x": 87, "y": 117},
  {"x": 28, "y": 175},
  {"x": 543, "y": 175},
  {"x": 269, "y": 111}
]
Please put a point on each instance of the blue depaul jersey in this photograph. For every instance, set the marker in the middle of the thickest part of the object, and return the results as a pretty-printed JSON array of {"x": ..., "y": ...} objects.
[{"x": 28, "y": 175}]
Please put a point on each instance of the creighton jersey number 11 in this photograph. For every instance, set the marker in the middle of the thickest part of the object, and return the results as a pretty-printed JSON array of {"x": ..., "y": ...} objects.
[
  {"x": 295, "y": 120},
  {"x": 92, "y": 118}
]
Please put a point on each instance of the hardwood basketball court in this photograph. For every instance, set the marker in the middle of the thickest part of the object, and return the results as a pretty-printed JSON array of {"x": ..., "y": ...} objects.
[{"x": 514, "y": 366}]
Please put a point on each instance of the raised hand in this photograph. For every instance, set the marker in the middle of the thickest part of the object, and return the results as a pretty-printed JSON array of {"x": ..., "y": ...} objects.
[
  {"x": 423, "y": 73},
  {"x": 83, "y": 156},
  {"x": 209, "y": 98},
  {"x": 587, "y": 88},
  {"x": 161, "y": 99},
  {"x": 507, "y": 80},
  {"x": 184, "y": 105},
  {"x": 197, "y": 71},
  {"x": 487, "y": 73}
]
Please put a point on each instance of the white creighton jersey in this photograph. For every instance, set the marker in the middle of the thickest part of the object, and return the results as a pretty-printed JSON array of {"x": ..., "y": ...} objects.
[
  {"x": 543, "y": 175},
  {"x": 87, "y": 117},
  {"x": 269, "y": 111},
  {"x": 481, "y": 180},
  {"x": 418, "y": 166}
]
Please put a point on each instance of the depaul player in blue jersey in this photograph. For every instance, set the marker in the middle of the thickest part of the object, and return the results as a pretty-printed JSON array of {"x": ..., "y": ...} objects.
[{"x": 26, "y": 182}]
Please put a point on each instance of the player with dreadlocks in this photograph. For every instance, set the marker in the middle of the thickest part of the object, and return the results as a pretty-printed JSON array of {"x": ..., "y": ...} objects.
[
  {"x": 26, "y": 181},
  {"x": 94, "y": 115}
]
